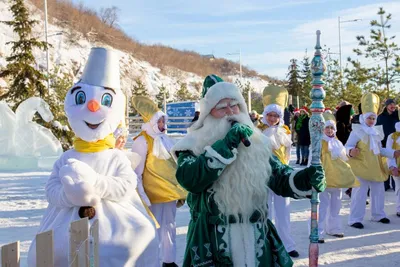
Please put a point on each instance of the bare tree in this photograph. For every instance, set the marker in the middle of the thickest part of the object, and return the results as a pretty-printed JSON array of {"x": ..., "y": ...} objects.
[{"x": 109, "y": 16}]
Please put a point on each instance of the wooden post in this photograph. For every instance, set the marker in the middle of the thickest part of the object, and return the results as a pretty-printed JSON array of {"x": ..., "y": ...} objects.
[
  {"x": 78, "y": 243},
  {"x": 10, "y": 255},
  {"x": 94, "y": 244},
  {"x": 45, "y": 249},
  {"x": 316, "y": 126}
]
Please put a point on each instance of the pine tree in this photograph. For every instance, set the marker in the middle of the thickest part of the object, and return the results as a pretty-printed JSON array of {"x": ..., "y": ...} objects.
[
  {"x": 294, "y": 81},
  {"x": 160, "y": 96},
  {"x": 183, "y": 94},
  {"x": 244, "y": 88},
  {"x": 360, "y": 76},
  {"x": 352, "y": 94},
  {"x": 257, "y": 102},
  {"x": 139, "y": 88},
  {"x": 245, "y": 92},
  {"x": 60, "y": 82},
  {"x": 239, "y": 84},
  {"x": 383, "y": 50},
  {"x": 332, "y": 78},
  {"x": 26, "y": 80},
  {"x": 306, "y": 78}
]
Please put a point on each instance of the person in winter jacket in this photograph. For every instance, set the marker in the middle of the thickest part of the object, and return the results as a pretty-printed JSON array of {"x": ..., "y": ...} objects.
[
  {"x": 343, "y": 124},
  {"x": 303, "y": 132},
  {"x": 356, "y": 118},
  {"x": 388, "y": 119}
]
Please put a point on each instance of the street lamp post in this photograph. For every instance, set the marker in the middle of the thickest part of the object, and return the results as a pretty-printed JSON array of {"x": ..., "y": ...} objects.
[
  {"x": 340, "y": 46},
  {"x": 47, "y": 47},
  {"x": 240, "y": 73}
]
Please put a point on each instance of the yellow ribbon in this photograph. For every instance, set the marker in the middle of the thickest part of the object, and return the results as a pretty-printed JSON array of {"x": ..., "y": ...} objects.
[{"x": 91, "y": 147}]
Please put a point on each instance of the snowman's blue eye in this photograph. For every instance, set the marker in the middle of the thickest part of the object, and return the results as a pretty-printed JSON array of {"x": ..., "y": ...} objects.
[
  {"x": 80, "y": 98},
  {"x": 106, "y": 100}
]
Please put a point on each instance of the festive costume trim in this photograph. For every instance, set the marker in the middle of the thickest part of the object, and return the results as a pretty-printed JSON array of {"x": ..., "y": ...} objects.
[
  {"x": 92, "y": 147},
  {"x": 215, "y": 154},
  {"x": 294, "y": 188},
  {"x": 373, "y": 134},
  {"x": 335, "y": 147}
]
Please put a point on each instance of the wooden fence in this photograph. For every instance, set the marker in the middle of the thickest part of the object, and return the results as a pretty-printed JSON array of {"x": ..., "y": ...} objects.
[{"x": 83, "y": 247}]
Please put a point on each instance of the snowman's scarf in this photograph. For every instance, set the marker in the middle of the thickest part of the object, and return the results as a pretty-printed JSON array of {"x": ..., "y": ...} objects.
[{"x": 91, "y": 147}]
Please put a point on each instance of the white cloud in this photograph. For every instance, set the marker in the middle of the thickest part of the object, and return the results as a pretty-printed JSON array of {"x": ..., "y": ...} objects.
[
  {"x": 231, "y": 23},
  {"x": 272, "y": 58},
  {"x": 230, "y": 39},
  {"x": 303, "y": 36},
  {"x": 279, "y": 73},
  {"x": 231, "y": 7}
]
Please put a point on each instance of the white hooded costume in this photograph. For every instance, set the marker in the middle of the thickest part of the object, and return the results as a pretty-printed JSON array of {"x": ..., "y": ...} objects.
[
  {"x": 94, "y": 174},
  {"x": 275, "y": 99}
]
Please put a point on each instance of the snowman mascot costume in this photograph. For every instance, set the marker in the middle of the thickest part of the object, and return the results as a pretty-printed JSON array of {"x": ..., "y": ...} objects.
[{"x": 94, "y": 174}]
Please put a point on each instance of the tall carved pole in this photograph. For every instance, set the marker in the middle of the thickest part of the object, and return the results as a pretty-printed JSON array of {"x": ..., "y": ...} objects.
[{"x": 316, "y": 130}]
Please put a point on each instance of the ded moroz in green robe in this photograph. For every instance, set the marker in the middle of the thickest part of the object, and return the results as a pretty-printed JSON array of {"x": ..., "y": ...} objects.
[{"x": 208, "y": 238}]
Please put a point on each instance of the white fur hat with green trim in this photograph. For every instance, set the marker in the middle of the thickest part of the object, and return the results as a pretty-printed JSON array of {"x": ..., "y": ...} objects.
[{"x": 214, "y": 94}]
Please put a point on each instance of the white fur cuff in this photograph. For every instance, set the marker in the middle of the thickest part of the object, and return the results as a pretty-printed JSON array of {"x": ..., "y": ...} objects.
[
  {"x": 223, "y": 160},
  {"x": 294, "y": 188}
]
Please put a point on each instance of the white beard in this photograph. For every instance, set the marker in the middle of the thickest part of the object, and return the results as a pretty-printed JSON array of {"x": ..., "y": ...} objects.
[{"x": 242, "y": 187}]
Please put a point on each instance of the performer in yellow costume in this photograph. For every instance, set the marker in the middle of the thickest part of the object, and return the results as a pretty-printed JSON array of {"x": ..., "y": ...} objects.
[
  {"x": 157, "y": 184},
  {"x": 338, "y": 175},
  {"x": 366, "y": 160},
  {"x": 275, "y": 100},
  {"x": 393, "y": 142}
]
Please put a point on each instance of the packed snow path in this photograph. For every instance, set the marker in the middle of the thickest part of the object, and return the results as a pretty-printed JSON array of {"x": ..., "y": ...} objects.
[{"x": 23, "y": 202}]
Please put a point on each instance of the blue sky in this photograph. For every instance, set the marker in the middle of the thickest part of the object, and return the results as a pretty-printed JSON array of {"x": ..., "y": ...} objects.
[{"x": 268, "y": 32}]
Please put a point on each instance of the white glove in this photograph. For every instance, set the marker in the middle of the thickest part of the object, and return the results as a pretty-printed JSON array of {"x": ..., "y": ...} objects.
[{"x": 78, "y": 180}]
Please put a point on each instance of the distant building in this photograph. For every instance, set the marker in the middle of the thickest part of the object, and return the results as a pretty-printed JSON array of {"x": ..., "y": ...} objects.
[{"x": 209, "y": 56}]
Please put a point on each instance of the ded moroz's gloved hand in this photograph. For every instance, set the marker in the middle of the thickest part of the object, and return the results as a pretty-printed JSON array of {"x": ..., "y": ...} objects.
[
  {"x": 316, "y": 176},
  {"x": 308, "y": 178},
  {"x": 236, "y": 134}
]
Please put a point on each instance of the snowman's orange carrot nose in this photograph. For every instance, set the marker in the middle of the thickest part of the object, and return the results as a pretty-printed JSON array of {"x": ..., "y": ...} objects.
[{"x": 93, "y": 105}]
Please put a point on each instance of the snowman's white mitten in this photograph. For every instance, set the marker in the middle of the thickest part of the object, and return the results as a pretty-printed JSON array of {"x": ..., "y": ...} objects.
[
  {"x": 79, "y": 193},
  {"x": 78, "y": 180},
  {"x": 79, "y": 171}
]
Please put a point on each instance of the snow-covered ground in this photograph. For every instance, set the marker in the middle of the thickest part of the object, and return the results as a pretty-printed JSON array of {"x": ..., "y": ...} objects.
[{"x": 22, "y": 203}]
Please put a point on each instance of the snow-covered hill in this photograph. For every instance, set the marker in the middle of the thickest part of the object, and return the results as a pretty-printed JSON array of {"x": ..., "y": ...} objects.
[{"x": 72, "y": 53}]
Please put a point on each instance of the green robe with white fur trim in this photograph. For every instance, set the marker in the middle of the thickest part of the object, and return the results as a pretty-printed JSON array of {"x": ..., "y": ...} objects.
[{"x": 208, "y": 242}]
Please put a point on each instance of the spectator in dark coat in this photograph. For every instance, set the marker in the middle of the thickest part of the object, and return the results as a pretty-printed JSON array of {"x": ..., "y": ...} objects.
[
  {"x": 356, "y": 118},
  {"x": 388, "y": 119},
  {"x": 303, "y": 133},
  {"x": 286, "y": 117},
  {"x": 291, "y": 109},
  {"x": 343, "y": 124}
]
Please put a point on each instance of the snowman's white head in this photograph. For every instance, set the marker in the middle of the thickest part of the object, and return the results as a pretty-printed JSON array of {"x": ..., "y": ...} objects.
[
  {"x": 93, "y": 111},
  {"x": 95, "y": 105}
]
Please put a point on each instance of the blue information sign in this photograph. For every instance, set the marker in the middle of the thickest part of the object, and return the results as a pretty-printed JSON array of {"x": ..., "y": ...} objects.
[{"x": 180, "y": 112}]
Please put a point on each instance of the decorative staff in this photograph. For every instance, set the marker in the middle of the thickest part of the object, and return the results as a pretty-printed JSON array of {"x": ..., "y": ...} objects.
[{"x": 316, "y": 125}]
